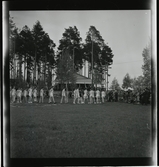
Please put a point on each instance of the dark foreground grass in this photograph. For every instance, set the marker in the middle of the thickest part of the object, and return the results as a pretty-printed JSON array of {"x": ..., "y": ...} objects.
[{"x": 67, "y": 130}]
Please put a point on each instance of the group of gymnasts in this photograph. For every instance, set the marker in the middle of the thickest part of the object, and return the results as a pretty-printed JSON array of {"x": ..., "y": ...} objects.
[{"x": 80, "y": 96}]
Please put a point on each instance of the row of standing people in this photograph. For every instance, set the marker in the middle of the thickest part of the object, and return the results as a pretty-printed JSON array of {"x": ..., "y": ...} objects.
[
  {"x": 31, "y": 95},
  {"x": 80, "y": 95}
]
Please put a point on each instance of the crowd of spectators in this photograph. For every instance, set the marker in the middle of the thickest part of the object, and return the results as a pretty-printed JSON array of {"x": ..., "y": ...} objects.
[{"x": 142, "y": 96}]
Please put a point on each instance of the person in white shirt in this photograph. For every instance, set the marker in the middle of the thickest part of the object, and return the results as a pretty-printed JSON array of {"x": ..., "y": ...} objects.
[
  {"x": 80, "y": 101},
  {"x": 30, "y": 92},
  {"x": 13, "y": 95},
  {"x": 51, "y": 95},
  {"x": 138, "y": 97},
  {"x": 25, "y": 95},
  {"x": 35, "y": 94},
  {"x": 19, "y": 94},
  {"x": 75, "y": 96},
  {"x": 85, "y": 95},
  {"x": 78, "y": 95},
  {"x": 41, "y": 100},
  {"x": 91, "y": 96},
  {"x": 97, "y": 96},
  {"x": 67, "y": 94},
  {"x": 103, "y": 96},
  {"x": 63, "y": 95}
]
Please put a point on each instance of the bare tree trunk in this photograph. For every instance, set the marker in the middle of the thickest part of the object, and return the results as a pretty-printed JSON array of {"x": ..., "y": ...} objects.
[
  {"x": 20, "y": 68},
  {"x": 14, "y": 60},
  {"x": 14, "y": 67},
  {"x": 34, "y": 74},
  {"x": 39, "y": 69},
  {"x": 45, "y": 68},
  {"x": 28, "y": 72},
  {"x": 24, "y": 67}
]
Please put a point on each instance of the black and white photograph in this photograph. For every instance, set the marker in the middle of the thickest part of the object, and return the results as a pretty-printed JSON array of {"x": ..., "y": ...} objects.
[{"x": 81, "y": 84}]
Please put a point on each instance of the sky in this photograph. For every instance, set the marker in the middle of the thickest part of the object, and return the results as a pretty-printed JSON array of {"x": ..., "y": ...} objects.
[{"x": 127, "y": 32}]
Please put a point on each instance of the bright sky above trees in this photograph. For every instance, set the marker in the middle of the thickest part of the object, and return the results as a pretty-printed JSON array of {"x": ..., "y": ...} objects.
[{"x": 126, "y": 32}]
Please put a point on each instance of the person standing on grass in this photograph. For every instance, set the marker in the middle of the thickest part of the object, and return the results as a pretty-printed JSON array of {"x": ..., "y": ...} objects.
[
  {"x": 51, "y": 95},
  {"x": 19, "y": 94},
  {"x": 53, "y": 99},
  {"x": 67, "y": 94},
  {"x": 13, "y": 95},
  {"x": 147, "y": 96},
  {"x": 74, "y": 96},
  {"x": 103, "y": 96},
  {"x": 85, "y": 95},
  {"x": 138, "y": 97},
  {"x": 91, "y": 96},
  {"x": 25, "y": 96},
  {"x": 41, "y": 100},
  {"x": 134, "y": 97},
  {"x": 126, "y": 96},
  {"x": 123, "y": 96},
  {"x": 113, "y": 95},
  {"x": 63, "y": 95},
  {"x": 116, "y": 96},
  {"x": 80, "y": 97},
  {"x": 35, "y": 94},
  {"x": 30, "y": 92},
  {"x": 97, "y": 96},
  {"x": 95, "y": 99}
]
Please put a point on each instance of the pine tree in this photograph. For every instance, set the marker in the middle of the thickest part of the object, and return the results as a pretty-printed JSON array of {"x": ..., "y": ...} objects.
[
  {"x": 127, "y": 81},
  {"x": 13, "y": 34},
  {"x": 37, "y": 33},
  {"x": 96, "y": 48},
  {"x": 65, "y": 71},
  {"x": 115, "y": 85},
  {"x": 71, "y": 39},
  {"x": 146, "y": 67}
]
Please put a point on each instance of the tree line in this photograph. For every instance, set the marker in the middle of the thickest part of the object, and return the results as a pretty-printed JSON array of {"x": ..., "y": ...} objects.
[
  {"x": 35, "y": 51},
  {"x": 141, "y": 81}
]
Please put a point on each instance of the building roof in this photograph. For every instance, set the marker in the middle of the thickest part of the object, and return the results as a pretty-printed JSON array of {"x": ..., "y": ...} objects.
[{"x": 80, "y": 79}]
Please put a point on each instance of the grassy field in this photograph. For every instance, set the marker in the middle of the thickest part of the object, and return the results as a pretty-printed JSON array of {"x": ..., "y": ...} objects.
[{"x": 87, "y": 130}]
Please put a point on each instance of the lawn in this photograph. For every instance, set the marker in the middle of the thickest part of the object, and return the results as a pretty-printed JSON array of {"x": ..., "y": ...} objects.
[{"x": 105, "y": 130}]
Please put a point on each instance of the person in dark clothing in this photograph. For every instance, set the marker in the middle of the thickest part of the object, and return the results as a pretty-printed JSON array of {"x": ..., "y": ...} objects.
[
  {"x": 111, "y": 96},
  {"x": 124, "y": 96},
  {"x": 134, "y": 97},
  {"x": 141, "y": 97},
  {"x": 147, "y": 96},
  {"x": 108, "y": 96},
  {"x": 127, "y": 97},
  {"x": 116, "y": 96}
]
